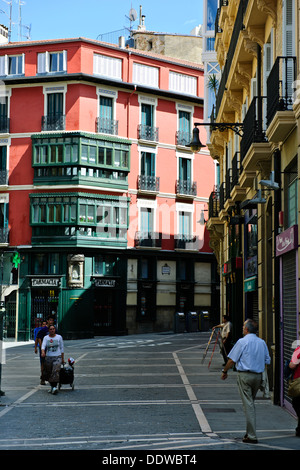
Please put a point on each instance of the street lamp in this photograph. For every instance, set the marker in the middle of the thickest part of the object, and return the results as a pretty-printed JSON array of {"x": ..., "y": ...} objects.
[{"x": 196, "y": 145}]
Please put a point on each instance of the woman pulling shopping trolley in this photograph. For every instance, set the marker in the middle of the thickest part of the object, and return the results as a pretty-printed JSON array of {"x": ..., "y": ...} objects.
[{"x": 53, "y": 351}]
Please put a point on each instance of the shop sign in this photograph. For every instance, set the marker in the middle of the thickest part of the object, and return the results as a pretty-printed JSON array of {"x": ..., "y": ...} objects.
[
  {"x": 45, "y": 282},
  {"x": 287, "y": 240},
  {"x": 105, "y": 283},
  {"x": 250, "y": 284},
  {"x": 251, "y": 266}
]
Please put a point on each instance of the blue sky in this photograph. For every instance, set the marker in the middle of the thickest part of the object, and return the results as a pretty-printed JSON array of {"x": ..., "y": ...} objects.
[{"x": 53, "y": 19}]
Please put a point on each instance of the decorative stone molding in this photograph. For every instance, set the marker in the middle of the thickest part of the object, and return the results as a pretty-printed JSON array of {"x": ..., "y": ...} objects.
[
  {"x": 242, "y": 80},
  {"x": 234, "y": 100},
  {"x": 75, "y": 270},
  {"x": 249, "y": 46},
  {"x": 256, "y": 34},
  {"x": 269, "y": 7}
]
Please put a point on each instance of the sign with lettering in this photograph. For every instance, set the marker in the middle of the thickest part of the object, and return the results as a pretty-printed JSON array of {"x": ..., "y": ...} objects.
[
  {"x": 45, "y": 282},
  {"x": 105, "y": 283},
  {"x": 287, "y": 240}
]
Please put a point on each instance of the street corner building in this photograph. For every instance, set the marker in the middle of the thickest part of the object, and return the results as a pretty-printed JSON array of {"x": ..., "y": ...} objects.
[
  {"x": 253, "y": 211},
  {"x": 102, "y": 199}
]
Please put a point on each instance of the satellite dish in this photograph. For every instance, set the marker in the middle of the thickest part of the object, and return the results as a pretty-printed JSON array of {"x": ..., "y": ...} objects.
[{"x": 132, "y": 14}]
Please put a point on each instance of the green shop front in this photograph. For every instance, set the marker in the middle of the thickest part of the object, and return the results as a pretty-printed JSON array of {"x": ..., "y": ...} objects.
[
  {"x": 87, "y": 296},
  {"x": 75, "y": 268}
]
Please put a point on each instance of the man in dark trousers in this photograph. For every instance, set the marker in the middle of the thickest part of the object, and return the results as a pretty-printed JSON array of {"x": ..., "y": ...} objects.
[
  {"x": 39, "y": 339},
  {"x": 250, "y": 356}
]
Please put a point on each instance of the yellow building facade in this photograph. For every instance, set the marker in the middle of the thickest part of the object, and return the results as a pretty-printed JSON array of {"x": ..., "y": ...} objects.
[{"x": 255, "y": 135}]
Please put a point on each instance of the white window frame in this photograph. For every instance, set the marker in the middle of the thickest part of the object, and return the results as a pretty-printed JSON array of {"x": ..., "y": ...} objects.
[
  {"x": 187, "y": 208},
  {"x": 43, "y": 62},
  {"x": 6, "y": 142},
  {"x": 4, "y": 62},
  {"x": 54, "y": 89},
  {"x": 107, "y": 66},
  {"x": 144, "y": 149},
  {"x": 146, "y": 204},
  {"x": 109, "y": 93},
  {"x": 187, "y": 156},
  {"x": 147, "y": 100}
]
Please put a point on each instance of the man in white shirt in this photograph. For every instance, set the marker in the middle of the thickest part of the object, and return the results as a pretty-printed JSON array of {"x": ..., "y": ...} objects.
[{"x": 250, "y": 356}]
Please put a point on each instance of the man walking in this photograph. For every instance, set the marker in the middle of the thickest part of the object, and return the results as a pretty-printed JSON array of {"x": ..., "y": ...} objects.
[{"x": 250, "y": 355}]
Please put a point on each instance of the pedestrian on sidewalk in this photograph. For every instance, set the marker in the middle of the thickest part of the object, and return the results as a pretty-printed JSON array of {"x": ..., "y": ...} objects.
[
  {"x": 53, "y": 352},
  {"x": 226, "y": 335},
  {"x": 38, "y": 342},
  {"x": 250, "y": 356},
  {"x": 295, "y": 366}
]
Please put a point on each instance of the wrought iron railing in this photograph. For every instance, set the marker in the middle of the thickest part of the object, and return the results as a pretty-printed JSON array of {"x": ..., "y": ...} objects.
[
  {"x": 148, "y": 239},
  {"x": 214, "y": 204},
  {"x": 4, "y": 125},
  {"x": 3, "y": 177},
  {"x": 4, "y": 232},
  {"x": 228, "y": 183},
  {"x": 186, "y": 187},
  {"x": 148, "y": 132},
  {"x": 280, "y": 86},
  {"x": 254, "y": 126},
  {"x": 54, "y": 122},
  {"x": 148, "y": 183},
  {"x": 185, "y": 242},
  {"x": 235, "y": 170},
  {"x": 222, "y": 196},
  {"x": 107, "y": 126},
  {"x": 183, "y": 138}
]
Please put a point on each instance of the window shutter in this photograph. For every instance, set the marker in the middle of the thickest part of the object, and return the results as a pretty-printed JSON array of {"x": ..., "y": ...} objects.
[
  {"x": 2, "y": 65},
  {"x": 183, "y": 83},
  {"x": 145, "y": 75},
  {"x": 64, "y": 61},
  {"x": 108, "y": 66}
]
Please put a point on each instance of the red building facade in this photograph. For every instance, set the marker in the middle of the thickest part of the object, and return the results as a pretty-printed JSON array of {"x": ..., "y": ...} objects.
[{"x": 101, "y": 197}]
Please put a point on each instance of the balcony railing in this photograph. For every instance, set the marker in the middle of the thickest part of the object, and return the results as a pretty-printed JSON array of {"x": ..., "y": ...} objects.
[
  {"x": 280, "y": 86},
  {"x": 186, "y": 187},
  {"x": 254, "y": 127},
  {"x": 228, "y": 183},
  {"x": 4, "y": 125},
  {"x": 185, "y": 242},
  {"x": 148, "y": 133},
  {"x": 147, "y": 239},
  {"x": 3, "y": 177},
  {"x": 55, "y": 122},
  {"x": 183, "y": 138},
  {"x": 235, "y": 170},
  {"x": 4, "y": 231},
  {"x": 214, "y": 204},
  {"x": 222, "y": 197},
  {"x": 148, "y": 183},
  {"x": 107, "y": 126}
]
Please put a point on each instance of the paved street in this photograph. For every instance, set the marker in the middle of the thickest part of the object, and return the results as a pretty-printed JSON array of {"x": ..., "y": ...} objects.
[{"x": 135, "y": 392}]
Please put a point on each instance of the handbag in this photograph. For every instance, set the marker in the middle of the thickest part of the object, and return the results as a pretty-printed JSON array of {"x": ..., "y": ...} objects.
[{"x": 294, "y": 388}]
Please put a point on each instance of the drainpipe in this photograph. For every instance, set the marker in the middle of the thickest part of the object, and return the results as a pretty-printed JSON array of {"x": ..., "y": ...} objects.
[
  {"x": 278, "y": 326},
  {"x": 259, "y": 98}
]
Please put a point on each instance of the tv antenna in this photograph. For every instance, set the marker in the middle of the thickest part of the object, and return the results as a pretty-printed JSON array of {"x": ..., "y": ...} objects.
[{"x": 132, "y": 16}]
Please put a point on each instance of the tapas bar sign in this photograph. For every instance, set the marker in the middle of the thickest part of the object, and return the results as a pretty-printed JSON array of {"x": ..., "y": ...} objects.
[{"x": 287, "y": 240}]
